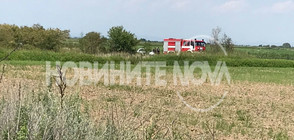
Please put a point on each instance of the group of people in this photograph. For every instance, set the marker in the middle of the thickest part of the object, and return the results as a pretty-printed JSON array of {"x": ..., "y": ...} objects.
[{"x": 156, "y": 51}]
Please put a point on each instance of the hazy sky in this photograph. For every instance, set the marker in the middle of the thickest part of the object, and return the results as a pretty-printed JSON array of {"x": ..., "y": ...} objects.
[{"x": 245, "y": 21}]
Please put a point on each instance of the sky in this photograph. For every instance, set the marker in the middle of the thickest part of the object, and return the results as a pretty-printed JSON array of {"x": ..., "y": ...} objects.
[{"x": 247, "y": 22}]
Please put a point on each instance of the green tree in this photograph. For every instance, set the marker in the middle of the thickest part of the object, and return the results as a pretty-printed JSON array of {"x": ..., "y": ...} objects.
[
  {"x": 286, "y": 45},
  {"x": 92, "y": 43},
  {"x": 121, "y": 40},
  {"x": 53, "y": 38},
  {"x": 8, "y": 34}
]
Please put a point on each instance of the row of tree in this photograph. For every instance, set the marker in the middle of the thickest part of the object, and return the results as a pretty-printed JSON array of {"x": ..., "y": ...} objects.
[
  {"x": 35, "y": 36},
  {"x": 285, "y": 45},
  {"x": 119, "y": 40}
]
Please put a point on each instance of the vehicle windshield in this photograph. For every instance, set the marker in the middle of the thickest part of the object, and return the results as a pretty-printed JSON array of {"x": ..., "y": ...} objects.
[
  {"x": 201, "y": 44},
  {"x": 192, "y": 43},
  {"x": 186, "y": 43}
]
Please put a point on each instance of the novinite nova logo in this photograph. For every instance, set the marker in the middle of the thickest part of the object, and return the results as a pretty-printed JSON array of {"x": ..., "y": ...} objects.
[{"x": 143, "y": 72}]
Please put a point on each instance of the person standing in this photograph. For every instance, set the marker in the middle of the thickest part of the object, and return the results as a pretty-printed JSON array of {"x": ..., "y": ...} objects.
[{"x": 158, "y": 50}]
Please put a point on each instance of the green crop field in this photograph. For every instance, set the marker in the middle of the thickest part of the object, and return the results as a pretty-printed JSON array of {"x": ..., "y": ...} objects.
[{"x": 269, "y": 53}]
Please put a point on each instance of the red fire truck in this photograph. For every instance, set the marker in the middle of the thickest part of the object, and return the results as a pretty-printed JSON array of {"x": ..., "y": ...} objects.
[{"x": 183, "y": 45}]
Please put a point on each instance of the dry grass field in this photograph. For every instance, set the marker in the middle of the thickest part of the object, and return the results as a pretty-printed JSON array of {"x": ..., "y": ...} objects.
[{"x": 251, "y": 110}]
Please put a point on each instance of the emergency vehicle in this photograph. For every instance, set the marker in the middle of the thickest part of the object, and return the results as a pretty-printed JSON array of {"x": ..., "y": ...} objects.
[{"x": 183, "y": 45}]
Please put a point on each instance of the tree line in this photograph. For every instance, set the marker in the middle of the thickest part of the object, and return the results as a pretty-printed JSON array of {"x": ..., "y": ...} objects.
[
  {"x": 36, "y": 36},
  {"x": 284, "y": 45}
]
